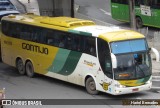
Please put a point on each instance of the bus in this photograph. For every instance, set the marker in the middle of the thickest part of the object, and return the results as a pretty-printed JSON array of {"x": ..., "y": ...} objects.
[
  {"x": 100, "y": 58},
  {"x": 147, "y": 12},
  {"x": 6, "y": 8}
]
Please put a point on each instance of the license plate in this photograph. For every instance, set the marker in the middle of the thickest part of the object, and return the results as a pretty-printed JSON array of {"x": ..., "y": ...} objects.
[{"x": 136, "y": 89}]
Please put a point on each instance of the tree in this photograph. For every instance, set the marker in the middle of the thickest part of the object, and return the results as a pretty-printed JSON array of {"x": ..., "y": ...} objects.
[{"x": 132, "y": 14}]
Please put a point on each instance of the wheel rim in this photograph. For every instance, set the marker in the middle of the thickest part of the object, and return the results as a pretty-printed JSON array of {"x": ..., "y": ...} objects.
[
  {"x": 139, "y": 23},
  {"x": 20, "y": 66},
  {"x": 29, "y": 68},
  {"x": 92, "y": 86}
]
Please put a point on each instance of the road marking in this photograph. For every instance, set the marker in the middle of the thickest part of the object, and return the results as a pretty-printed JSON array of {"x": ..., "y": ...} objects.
[{"x": 105, "y": 12}]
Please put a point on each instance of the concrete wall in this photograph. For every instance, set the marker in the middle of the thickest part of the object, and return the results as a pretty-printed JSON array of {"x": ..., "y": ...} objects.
[{"x": 55, "y": 7}]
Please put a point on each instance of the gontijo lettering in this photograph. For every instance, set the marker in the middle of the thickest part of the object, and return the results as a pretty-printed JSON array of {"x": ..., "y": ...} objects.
[{"x": 35, "y": 48}]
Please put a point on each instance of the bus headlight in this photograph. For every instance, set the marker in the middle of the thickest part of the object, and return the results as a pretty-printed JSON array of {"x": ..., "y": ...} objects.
[
  {"x": 120, "y": 86},
  {"x": 148, "y": 82}
]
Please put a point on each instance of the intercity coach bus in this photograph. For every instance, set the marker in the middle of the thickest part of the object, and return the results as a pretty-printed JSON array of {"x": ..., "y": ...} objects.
[
  {"x": 107, "y": 59},
  {"x": 147, "y": 12}
]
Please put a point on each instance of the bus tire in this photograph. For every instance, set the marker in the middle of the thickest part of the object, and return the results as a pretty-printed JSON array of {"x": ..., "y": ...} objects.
[
  {"x": 91, "y": 86},
  {"x": 139, "y": 22},
  {"x": 20, "y": 66},
  {"x": 29, "y": 69}
]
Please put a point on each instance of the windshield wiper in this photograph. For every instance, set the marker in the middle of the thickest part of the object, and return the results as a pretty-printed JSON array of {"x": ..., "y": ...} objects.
[{"x": 137, "y": 65}]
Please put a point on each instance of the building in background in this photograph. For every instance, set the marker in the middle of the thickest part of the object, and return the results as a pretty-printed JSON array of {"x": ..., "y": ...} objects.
[{"x": 56, "y": 7}]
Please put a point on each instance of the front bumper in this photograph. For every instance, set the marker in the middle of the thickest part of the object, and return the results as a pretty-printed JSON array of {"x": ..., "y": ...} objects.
[{"x": 128, "y": 90}]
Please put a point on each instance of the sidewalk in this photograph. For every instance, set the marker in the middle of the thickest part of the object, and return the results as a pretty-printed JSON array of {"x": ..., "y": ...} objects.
[{"x": 31, "y": 7}]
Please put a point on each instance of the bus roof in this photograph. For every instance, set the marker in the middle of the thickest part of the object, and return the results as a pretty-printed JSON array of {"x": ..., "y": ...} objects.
[
  {"x": 121, "y": 35},
  {"x": 109, "y": 34},
  {"x": 65, "y": 22}
]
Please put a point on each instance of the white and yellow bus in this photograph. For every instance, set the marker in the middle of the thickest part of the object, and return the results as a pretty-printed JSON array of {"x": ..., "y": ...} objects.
[{"x": 106, "y": 59}]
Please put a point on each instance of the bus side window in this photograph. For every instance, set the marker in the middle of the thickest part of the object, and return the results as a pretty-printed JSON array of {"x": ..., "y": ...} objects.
[
  {"x": 69, "y": 42},
  {"x": 155, "y": 5},
  {"x": 34, "y": 33},
  {"x": 124, "y": 1},
  {"x": 61, "y": 39},
  {"x": 115, "y": 1},
  {"x": 17, "y": 31},
  {"x": 61, "y": 43},
  {"x": 89, "y": 45},
  {"x": 77, "y": 42},
  {"x": 5, "y": 27},
  {"x": 50, "y": 41},
  {"x": 42, "y": 38},
  {"x": 138, "y": 3},
  {"x": 92, "y": 46},
  {"x": 74, "y": 43},
  {"x": 49, "y": 37}
]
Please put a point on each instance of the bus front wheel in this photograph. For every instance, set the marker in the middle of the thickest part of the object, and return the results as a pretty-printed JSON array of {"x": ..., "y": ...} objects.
[
  {"x": 139, "y": 22},
  {"x": 91, "y": 86},
  {"x": 20, "y": 66},
  {"x": 29, "y": 69}
]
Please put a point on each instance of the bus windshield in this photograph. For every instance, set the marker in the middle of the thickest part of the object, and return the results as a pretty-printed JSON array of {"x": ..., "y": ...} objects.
[
  {"x": 128, "y": 46},
  {"x": 133, "y": 59}
]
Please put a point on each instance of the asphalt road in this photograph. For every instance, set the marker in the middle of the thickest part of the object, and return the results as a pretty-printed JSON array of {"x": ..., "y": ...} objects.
[
  {"x": 96, "y": 3},
  {"x": 19, "y": 6},
  {"x": 42, "y": 87}
]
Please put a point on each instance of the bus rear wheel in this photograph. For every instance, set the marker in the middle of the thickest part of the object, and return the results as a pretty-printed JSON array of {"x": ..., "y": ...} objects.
[
  {"x": 139, "y": 22},
  {"x": 20, "y": 66},
  {"x": 29, "y": 69},
  {"x": 91, "y": 86}
]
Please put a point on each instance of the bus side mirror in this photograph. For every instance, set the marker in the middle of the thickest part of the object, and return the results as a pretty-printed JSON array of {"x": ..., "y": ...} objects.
[{"x": 114, "y": 60}]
